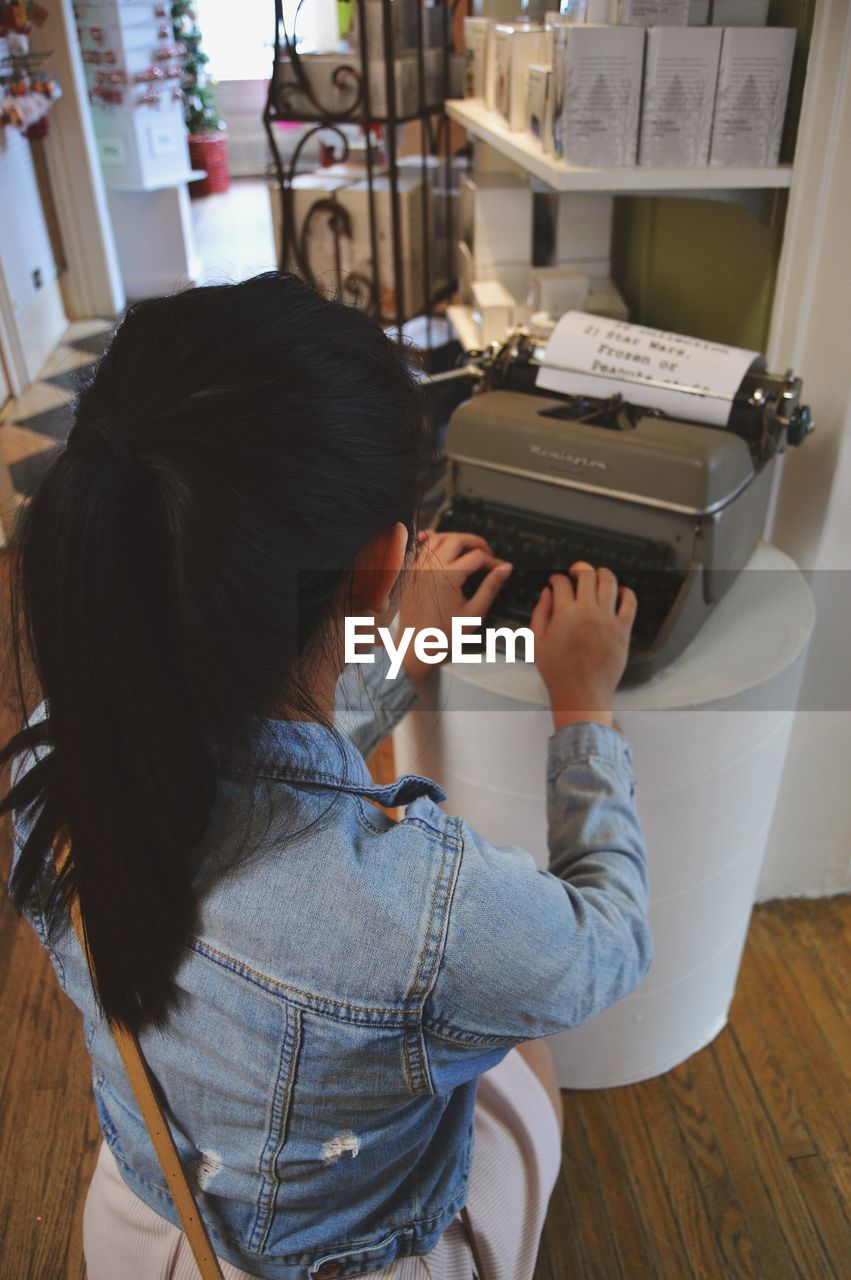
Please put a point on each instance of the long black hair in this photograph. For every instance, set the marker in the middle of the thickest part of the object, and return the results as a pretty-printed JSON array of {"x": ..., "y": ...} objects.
[{"x": 235, "y": 450}]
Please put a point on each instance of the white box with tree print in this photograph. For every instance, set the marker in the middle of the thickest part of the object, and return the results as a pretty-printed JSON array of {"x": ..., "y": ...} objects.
[
  {"x": 750, "y": 103},
  {"x": 597, "y": 94},
  {"x": 680, "y": 75}
]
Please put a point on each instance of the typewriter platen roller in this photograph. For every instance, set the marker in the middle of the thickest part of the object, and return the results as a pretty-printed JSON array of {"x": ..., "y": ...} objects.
[{"x": 675, "y": 508}]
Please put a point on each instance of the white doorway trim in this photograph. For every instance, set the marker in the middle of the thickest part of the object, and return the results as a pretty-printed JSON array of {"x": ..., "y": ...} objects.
[{"x": 91, "y": 283}]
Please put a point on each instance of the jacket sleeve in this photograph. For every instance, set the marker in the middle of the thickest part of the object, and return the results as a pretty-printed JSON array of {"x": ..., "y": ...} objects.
[
  {"x": 368, "y": 704},
  {"x": 529, "y": 952}
]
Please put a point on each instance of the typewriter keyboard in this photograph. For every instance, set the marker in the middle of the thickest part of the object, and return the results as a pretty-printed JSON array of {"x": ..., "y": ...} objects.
[{"x": 538, "y": 548}]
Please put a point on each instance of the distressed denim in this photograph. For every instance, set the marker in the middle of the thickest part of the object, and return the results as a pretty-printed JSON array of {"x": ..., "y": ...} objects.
[{"x": 351, "y": 977}]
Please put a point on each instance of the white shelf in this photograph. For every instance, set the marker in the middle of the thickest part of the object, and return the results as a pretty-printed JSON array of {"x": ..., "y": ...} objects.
[
  {"x": 160, "y": 184},
  {"x": 526, "y": 151}
]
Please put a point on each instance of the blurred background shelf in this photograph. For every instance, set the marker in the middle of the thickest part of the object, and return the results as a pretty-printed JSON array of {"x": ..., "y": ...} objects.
[{"x": 523, "y": 150}]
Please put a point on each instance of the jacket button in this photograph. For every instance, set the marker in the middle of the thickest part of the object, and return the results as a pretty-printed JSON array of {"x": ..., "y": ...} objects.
[{"x": 328, "y": 1271}]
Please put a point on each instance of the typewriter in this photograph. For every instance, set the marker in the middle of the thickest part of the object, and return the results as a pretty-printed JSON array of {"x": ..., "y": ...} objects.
[{"x": 673, "y": 507}]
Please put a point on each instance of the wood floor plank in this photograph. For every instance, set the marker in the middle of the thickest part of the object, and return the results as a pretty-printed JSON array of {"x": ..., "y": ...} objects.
[
  {"x": 721, "y": 1196},
  {"x": 616, "y": 1188},
  {"x": 585, "y": 1202},
  {"x": 786, "y": 1240},
  {"x": 821, "y": 978},
  {"x": 630, "y": 1117},
  {"x": 700, "y": 1242},
  {"x": 818, "y": 1190},
  {"x": 766, "y": 1064},
  {"x": 773, "y": 1009}
]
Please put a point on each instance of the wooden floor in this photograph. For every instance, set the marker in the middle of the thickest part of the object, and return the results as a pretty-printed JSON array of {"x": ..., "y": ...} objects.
[{"x": 735, "y": 1164}]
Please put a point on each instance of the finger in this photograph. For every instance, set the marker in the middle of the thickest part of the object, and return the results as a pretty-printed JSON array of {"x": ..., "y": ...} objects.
[
  {"x": 488, "y": 590},
  {"x": 586, "y": 580},
  {"x": 471, "y": 562},
  {"x": 562, "y": 589},
  {"x": 542, "y": 611},
  {"x": 455, "y": 544},
  {"x": 607, "y": 589},
  {"x": 628, "y": 605}
]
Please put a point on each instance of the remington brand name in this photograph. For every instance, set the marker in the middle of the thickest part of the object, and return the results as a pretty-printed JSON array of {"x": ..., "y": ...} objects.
[{"x": 572, "y": 459}]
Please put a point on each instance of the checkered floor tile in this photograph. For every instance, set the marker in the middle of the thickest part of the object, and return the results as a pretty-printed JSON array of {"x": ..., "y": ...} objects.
[
  {"x": 33, "y": 426},
  {"x": 92, "y": 343},
  {"x": 55, "y": 423},
  {"x": 27, "y": 472},
  {"x": 70, "y": 379}
]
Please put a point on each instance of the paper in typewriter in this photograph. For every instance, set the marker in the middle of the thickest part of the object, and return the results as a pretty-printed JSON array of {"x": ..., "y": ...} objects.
[{"x": 683, "y": 377}]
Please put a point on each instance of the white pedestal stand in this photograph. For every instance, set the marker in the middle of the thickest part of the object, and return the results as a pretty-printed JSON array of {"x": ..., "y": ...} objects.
[{"x": 709, "y": 736}]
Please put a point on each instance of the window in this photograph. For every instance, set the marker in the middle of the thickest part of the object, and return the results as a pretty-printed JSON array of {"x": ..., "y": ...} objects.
[{"x": 238, "y": 39}]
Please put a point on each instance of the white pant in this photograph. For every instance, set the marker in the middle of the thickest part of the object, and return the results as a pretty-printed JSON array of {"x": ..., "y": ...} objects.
[{"x": 516, "y": 1160}]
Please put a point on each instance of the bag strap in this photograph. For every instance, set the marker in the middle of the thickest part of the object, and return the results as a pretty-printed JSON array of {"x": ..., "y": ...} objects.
[
  {"x": 138, "y": 1074},
  {"x": 472, "y": 1242}
]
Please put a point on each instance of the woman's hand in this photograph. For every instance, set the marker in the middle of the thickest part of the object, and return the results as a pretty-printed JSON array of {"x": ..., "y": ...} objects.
[
  {"x": 581, "y": 632},
  {"x": 432, "y": 594}
]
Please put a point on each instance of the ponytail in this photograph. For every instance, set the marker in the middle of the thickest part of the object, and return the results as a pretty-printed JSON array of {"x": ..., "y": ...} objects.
[
  {"x": 128, "y": 777},
  {"x": 173, "y": 574}
]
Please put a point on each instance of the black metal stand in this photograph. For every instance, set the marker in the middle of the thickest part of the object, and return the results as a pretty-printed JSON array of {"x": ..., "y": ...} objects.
[{"x": 293, "y": 98}]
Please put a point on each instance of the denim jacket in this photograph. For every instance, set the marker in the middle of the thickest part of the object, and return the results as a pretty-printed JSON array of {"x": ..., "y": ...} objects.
[{"x": 352, "y": 976}]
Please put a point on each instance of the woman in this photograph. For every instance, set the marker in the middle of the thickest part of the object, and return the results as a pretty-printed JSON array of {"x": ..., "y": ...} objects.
[{"x": 330, "y": 1000}]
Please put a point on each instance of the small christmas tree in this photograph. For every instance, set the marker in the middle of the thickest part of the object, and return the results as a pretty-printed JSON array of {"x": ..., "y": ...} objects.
[{"x": 199, "y": 102}]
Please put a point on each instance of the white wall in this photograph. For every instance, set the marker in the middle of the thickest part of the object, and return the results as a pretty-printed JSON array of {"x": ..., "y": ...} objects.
[
  {"x": 34, "y": 315},
  {"x": 809, "y": 850}
]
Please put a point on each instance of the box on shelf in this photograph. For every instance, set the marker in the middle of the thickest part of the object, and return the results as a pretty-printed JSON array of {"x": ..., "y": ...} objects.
[
  {"x": 653, "y": 13},
  {"x": 698, "y": 13},
  {"x": 680, "y": 75},
  {"x": 433, "y": 21},
  {"x": 442, "y": 188},
  {"x": 750, "y": 103},
  {"x": 597, "y": 94},
  {"x": 496, "y": 219},
  {"x": 317, "y": 235},
  {"x": 601, "y": 10},
  {"x": 515, "y": 47},
  {"x": 435, "y": 68},
  {"x": 337, "y": 93},
  {"x": 582, "y": 226},
  {"x": 514, "y": 277},
  {"x": 465, "y": 270},
  {"x": 539, "y": 115},
  {"x": 355, "y": 199},
  {"x": 475, "y": 56},
  {"x": 405, "y": 87},
  {"x": 739, "y": 13},
  {"x": 558, "y": 289},
  {"x": 493, "y": 310},
  {"x": 490, "y": 68},
  {"x": 403, "y": 27},
  {"x": 605, "y": 299}
]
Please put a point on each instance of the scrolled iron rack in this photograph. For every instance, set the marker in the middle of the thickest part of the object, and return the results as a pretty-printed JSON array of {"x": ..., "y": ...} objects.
[{"x": 293, "y": 98}]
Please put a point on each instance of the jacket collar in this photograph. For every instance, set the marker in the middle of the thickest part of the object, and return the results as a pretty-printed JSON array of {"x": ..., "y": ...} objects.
[{"x": 309, "y": 754}]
